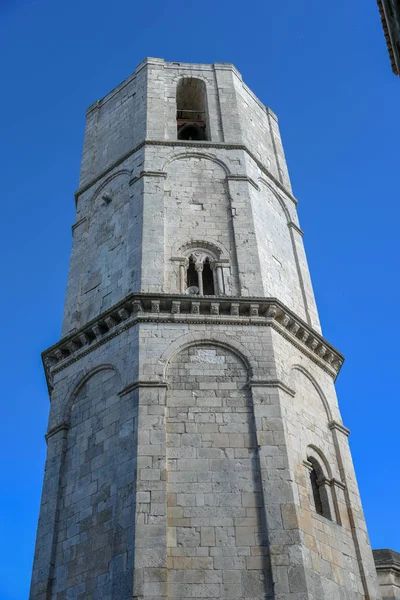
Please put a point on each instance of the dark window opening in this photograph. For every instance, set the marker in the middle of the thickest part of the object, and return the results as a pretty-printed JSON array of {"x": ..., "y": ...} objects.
[
  {"x": 208, "y": 279},
  {"x": 191, "y": 110},
  {"x": 191, "y": 132},
  {"x": 316, "y": 493},
  {"x": 319, "y": 489},
  {"x": 192, "y": 275}
]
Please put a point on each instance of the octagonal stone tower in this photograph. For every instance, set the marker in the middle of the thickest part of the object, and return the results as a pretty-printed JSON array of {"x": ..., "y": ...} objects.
[{"x": 195, "y": 444}]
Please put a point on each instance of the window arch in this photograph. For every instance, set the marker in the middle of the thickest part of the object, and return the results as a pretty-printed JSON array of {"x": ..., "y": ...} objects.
[
  {"x": 200, "y": 274},
  {"x": 320, "y": 488},
  {"x": 201, "y": 270},
  {"x": 191, "y": 110}
]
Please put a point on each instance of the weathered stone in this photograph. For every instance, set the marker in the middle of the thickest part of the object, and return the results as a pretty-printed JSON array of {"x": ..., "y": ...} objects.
[{"x": 192, "y": 391}]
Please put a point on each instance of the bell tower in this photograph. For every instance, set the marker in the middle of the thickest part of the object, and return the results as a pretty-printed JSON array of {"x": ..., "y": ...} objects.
[{"x": 195, "y": 444}]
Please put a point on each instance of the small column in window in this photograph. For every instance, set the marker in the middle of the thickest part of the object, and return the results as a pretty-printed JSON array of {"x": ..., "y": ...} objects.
[
  {"x": 199, "y": 269},
  {"x": 220, "y": 280}
]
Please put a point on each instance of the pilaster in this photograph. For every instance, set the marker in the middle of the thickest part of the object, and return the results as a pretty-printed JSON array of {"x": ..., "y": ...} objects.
[
  {"x": 71, "y": 320},
  {"x": 230, "y": 116},
  {"x": 281, "y": 501},
  {"x": 155, "y": 99},
  {"x": 283, "y": 173},
  {"x": 245, "y": 239},
  {"x": 149, "y": 187},
  {"x": 310, "y": 307},
  {"x": 47, "y": 526},
  {"x": 150, "y": 551}
]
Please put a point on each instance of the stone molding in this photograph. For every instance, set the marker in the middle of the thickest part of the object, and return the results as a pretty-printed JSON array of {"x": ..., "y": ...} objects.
[
  {"x": 272, "y": 383},
  {"x": 147, "y": 174},
  {"x": 80, "y": 222},
  {"x": 139, "y": 383},
  {"x": 339, "y": 427},
  {"x": 56, "y": 429},
  {"x": 186, "y": 144},
  {"x": 296, "y": 228},
  {"x": 180, "y": 308},
  {"x": 325, "y": 480},
  {"x": 243, "y": 178},
  {"x": 339, "y": 484}
]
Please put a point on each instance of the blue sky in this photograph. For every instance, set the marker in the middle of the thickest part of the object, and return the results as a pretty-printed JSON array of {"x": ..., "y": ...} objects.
[{"x": 324, "y": 69}]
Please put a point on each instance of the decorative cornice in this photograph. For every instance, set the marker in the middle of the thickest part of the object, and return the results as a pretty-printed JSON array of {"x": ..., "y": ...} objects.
[
  {"x": 56, "y": 429},
  {"x": 180, "y": 308},
  {"x": 143, "y": 383},
  {"x": 339, "y": 427},
  {"x": 272, "y": 383},
  {"x": 185, "y": 144},
  {"x": 390, "y": 17}
]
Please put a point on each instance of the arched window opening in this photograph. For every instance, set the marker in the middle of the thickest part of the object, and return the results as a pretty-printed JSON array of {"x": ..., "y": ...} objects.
[
  {"x": 208, "y": 279},
  {"x": 191, "y": 105},
  {"x": 319, "y": 487},
  {"x": 201, "y": 269},
  {"x": 316, "y": 492},
  {"x": 192, "y": 278}
]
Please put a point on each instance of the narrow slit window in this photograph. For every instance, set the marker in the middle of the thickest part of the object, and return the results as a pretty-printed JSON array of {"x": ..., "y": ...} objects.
[
  {"x": 208, "y": 279},
  {"x": 320, "y": 489},
  {"x": 191, "y": 114},
  {"x": 316, "y": 493},
  {"x": 192, "y": 275}
]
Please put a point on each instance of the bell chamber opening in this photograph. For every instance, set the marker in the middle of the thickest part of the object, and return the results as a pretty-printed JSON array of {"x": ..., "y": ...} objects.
[{"x": 191, "y": 113}]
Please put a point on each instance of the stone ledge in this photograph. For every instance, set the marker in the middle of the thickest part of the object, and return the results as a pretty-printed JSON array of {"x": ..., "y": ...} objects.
[{"x": 180, "y": 308}]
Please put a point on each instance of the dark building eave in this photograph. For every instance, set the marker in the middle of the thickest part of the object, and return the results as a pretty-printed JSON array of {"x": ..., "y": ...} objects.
[
  {"x": 386, "y": 559},
  {"x": 390, "y": 17}
]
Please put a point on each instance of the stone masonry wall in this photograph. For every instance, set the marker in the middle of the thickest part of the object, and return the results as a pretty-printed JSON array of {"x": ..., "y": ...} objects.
[
  {"x": 129, "y": 226},
  {"x": 119, "y": 242},
  {"x": 95, "y": 526},
  {"x": 338, "y": 554},
  {"x": 197, "y": 207},
  {"x": 215, "y": 539},
  {"x": 387, "y": 564},
  {"x": 277, "y": 260},
  {"x": 180, "y": 445},
  {"x": 105, "y": 263},
  {"x": 144, "y": 107},
  {"x": 309, "y": 554},
  {"x": 114, "y": 125}
]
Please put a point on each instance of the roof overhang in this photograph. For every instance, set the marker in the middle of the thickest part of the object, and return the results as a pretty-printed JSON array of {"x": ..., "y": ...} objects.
[{"x": 390, "y": 16}]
